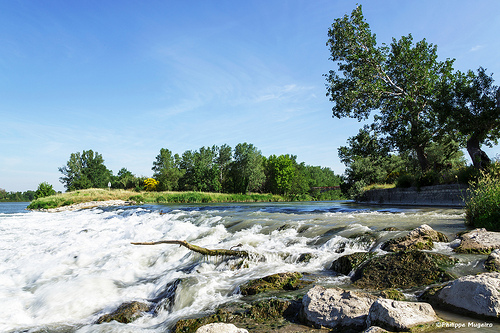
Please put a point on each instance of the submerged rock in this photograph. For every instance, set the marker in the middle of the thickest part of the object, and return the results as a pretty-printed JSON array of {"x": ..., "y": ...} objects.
[
  {"x": 336, "y": 308},
  {"x": 470, "y": 295},
  {"x": 220, "y": 328},
  {"x": 479, "y": 241},
  {"x": 346, "y": 264},
  {"x": 400, "y": 316},
  {"x": 421, "y": 238},
  {"x": 492, "y": 263},
  {"x": 280, "y": 281},
  {"x": 403, "y": 270},
  {"x": 126, "y": 313}
]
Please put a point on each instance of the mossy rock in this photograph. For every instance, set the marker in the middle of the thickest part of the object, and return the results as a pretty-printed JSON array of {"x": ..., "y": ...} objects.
[
  {"x": 266, "y": 314},
  {"x": 346, "y": 264},
  {"x": 280, "y": 281},
  {"x": 191, "y": 325},
  {"x": 403, "y": 270},
  {"x": 126, "y": 313},
  {"x": 421, "y": 238},
  {"x": 393, "y": 294},
  {"x": 492, "y": 263}
]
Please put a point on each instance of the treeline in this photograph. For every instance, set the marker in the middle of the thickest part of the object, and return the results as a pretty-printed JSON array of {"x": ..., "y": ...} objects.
[
  {"x": 209, "y": 169},
  {"x": 16, "y": 196}
]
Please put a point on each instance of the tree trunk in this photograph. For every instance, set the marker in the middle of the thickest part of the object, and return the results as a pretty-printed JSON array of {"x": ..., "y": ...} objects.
[
  {"x": 478, "y": 156},
  {"x": 422, "y": 158},
  {"x": 199, "y": 249}
]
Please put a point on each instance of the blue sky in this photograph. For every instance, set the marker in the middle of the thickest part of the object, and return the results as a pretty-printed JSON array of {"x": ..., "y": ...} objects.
[{"x": 126, "y": 78}]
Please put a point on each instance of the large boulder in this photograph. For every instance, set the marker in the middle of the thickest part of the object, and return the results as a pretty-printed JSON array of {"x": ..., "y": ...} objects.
[
  {"x": 421, "y": 238},
  {"x": 336, "y": 308},
  {"x": 220, "y": 328},
  {"x": 400, "y": 316},
  {"x": 403, "y": 270},
  {"x": 479, "y": 241},
  {"x": 470, "y": 295}
]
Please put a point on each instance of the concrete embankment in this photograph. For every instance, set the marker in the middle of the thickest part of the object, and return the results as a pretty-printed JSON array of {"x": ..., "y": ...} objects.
[{"x": 440, "y": 195}]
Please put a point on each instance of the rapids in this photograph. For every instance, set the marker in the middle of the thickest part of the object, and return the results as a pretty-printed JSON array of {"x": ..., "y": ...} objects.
[{"x": 61, "y": 271}]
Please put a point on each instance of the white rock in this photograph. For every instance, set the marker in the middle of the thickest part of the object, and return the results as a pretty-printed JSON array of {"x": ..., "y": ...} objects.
[
  {"x": 336, "y": 307},
  {"x": 220, "y": 328},
  {"x": 479, "y": 294},
  {"x": 399, "y": 315}
]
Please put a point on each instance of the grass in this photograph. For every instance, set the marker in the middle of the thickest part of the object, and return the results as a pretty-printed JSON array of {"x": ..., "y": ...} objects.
[{"x": 75, "y": 197}]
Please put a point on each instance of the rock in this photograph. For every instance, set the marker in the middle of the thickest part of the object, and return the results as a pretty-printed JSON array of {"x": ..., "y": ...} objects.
[
  {"x": 336, "y": 308},
  {"x": 421, "y": 238},
  {"x": 280, "y": 281},
  {"x": 403, "y": 270},
  {"x": 346, "y": 264},
  {"x": 492, "y": 264},
  {"x": 477, "y": 295},
  {"x": 399, "y": 315},
  {"x": 126, "y": 313},
  {"x": 220, "y": 328},
  {"x": 479, "y": 241}
]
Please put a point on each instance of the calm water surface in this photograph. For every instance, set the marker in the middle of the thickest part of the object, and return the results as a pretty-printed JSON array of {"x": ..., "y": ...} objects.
[{"x": 62, "y": 271}]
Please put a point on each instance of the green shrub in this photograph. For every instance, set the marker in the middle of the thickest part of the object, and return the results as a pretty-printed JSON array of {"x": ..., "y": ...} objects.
[
  {"x": 405, "y": 181},
  {"x": 482, "y": 210},
  {"x": 468, "y": 174},
  {"x": 44, "y": 190}
]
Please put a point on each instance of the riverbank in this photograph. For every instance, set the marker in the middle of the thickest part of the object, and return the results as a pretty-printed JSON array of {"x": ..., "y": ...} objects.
[
  {"x": 94, "y": 196},
  {"x": 454, "y": 195}
]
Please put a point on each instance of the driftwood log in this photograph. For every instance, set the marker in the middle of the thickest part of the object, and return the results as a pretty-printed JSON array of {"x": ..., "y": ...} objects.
[{"x": 199, "y": 249}]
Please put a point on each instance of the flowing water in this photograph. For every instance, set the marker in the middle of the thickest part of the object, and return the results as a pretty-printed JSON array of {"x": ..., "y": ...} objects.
[{"x": 61, "y": 271}]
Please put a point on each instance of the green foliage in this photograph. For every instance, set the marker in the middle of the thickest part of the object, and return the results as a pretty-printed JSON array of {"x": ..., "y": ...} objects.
[
  {"x": 398, "y": 81},
  {"x": 469, "y": 107},
  {"x": 44, "y": 190},
  {"x": 247, "y": 171},
  {"x": 125, "y": 180},
  {"x": 85, "y": 170},
  {"x": 281, "y": 173},
  {"x": 166, "y": 170},
  {"x": 482, "y": 210}
]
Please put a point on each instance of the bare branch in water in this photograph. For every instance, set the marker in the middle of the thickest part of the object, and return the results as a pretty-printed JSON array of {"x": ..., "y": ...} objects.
[{"x": 199, "y": 249}]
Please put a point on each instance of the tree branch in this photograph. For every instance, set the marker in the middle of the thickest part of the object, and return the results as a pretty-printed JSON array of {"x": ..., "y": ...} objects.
[{"x": 199, "y": 249}]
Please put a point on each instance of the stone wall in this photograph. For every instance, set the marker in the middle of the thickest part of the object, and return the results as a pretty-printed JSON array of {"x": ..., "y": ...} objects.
[{"x": 439, "y": 195}]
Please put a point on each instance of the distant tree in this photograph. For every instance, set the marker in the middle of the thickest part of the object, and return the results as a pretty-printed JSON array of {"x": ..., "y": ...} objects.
[
  {"x": 166, "y": 170},
  {"x": 280, "y": 173},
  {"x": 125, "y": 180},
  {"x": 469, "y": 108},
  {"x": 399, "y": 82},
  {"x": 85, "y": 170},
  {"x": 44, "y": 190},
  {"x": 223, "y": 161},
  {"x": 247, "y": 171}
]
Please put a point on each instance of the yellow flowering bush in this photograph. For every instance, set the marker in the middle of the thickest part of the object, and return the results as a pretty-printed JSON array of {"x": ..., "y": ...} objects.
[{"x": 150, "y": 184}]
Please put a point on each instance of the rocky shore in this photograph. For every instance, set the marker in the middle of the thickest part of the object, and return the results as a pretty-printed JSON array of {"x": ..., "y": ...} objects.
[{"x": 397, "y": 289}]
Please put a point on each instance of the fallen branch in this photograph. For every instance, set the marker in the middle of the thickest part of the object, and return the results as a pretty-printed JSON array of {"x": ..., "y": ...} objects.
[{"x": 199, "y": 249}]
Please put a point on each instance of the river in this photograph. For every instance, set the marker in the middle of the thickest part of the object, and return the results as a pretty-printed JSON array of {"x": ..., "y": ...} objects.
[{"x": 61, "y": 271}]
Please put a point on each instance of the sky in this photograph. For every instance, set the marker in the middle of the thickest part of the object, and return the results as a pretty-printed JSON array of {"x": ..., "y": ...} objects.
[{"x": 127, "y": 78}]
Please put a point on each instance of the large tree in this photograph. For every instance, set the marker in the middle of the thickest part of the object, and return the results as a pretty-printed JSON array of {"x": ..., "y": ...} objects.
[
  {"x": 85, "y": 170},
  {"x": 469, "y": 107},
  {"x": 397, "y": 81}
]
